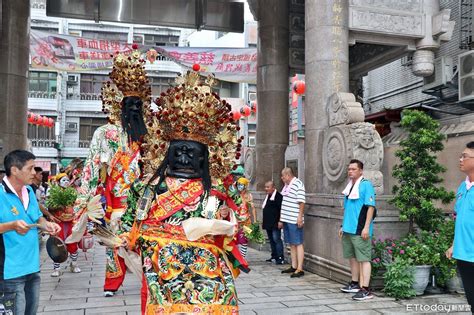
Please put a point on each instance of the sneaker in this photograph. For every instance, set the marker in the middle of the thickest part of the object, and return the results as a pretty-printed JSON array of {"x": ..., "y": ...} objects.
[
  {"x": 297, "y": 274},
  {"x": 289, "y": 270},
  {"x": 75, "y": 268},
  {"x": 280, "y": 262},
  {"x": 351, "y": 288},
  {"x": 362, "y": 295},
  {"x": 56, "y": 273},
  {"x": 109, "y": 293},
  {"x": 270, "y": 260}
]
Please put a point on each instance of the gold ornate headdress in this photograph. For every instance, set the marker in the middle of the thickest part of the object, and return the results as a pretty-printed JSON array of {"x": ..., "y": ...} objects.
[
  {"x": 128, "y": 79},
  {"x": 192, "y": 111}
]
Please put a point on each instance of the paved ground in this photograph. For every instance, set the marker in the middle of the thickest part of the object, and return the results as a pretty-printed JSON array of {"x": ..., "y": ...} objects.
[{"x": 263, "y": 291}]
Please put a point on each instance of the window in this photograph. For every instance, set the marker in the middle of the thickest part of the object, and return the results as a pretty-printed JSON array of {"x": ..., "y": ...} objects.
[
  {"x": 161, "y": 40},
  {"x": 159, "y": 85},
  {"x": 120, "y": 37},
  {"x": 43, "y": 82},
  {"x": 91, "y": 83},
  {"x": 87, "y": 127}
]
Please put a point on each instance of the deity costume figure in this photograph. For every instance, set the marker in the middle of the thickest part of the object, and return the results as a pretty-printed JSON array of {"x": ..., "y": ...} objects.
[
  {"x": 113, "y": 163},
  {"x": 173, "y": 213},
  {"x": 64, "y": 217},
  {"x": 244, "y": 201}
]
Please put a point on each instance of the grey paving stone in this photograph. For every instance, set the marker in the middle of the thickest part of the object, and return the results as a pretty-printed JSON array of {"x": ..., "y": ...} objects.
[
  {"x": 295, "y": 310},
  {"x": 85, "y": 305},
  {"x": 69, "y": 312},
  {"x": 282, "y": 299},
  {"x": 299, "y": 292},
  {"x": 259, "y": 306},
  {"x": 364, "y": 305},
  {"x": 364, "y": 312},
  {"x": 113, "y": 310}
]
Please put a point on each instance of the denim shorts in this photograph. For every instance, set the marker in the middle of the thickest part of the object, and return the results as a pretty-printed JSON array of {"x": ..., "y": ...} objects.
[{"x": 293, "y": 234}]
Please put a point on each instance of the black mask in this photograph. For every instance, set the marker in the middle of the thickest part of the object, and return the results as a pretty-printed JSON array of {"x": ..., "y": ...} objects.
[
  {"x": 132, "y": 119},
  {"x": 186, "y": 159}
]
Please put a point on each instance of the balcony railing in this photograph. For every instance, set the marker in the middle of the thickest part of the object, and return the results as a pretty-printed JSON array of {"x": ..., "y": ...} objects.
[
  {"x": 84, "y": 96},
  {"x": 84, "y": 143},
  {"x": 42, "y": 143},
  {"x": 38, "y": 4},
  {"x": 42, "y": 94}
]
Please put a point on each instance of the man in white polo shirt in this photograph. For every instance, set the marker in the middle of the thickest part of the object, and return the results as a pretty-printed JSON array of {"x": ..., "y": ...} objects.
[{"x": 292, "y": 220}]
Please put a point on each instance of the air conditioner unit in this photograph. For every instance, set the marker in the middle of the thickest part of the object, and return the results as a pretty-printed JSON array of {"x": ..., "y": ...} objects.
[
  {"x": 252, "y": 96},
  {"x": 442, "y": 74},
  {"x": 466, "y": 76},
  {"x": 71, "y": 127},
  {"x": 72, "y": 79},
  {"x": 252, "y": 141}
]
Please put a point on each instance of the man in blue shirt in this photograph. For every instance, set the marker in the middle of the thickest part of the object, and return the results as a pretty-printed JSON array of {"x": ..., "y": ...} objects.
[
  {"x": 20, "y": 218},
  {"x": 463, "y": 244},
  {"x": 356, "y": 230}
]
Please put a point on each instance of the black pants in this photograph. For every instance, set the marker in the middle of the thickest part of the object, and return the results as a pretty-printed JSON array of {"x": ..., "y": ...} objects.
[{"x": 466, "y": 269}]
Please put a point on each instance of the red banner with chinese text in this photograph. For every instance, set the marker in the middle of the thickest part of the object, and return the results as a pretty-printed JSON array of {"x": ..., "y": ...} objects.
[{"x": 77, "y": 54}]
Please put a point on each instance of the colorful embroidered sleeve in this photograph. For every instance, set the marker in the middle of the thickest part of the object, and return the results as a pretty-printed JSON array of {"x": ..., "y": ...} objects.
[{"x": 103, "y": 146}]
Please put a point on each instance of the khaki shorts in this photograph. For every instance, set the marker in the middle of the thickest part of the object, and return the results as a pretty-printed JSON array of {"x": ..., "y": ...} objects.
[{"x": 353, "y": 246}]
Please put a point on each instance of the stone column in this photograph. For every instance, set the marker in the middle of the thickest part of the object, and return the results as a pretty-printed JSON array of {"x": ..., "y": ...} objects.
[
  {"x": 14, "y": 50},
  {"x": 272, "y": 91},
  {"x": 327, "y": 72}
]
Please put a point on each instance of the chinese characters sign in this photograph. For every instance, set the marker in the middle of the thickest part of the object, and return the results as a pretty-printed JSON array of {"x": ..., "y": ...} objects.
[
  {"x": 228, "y": 64},
  {"x": 69, "y": 53}
]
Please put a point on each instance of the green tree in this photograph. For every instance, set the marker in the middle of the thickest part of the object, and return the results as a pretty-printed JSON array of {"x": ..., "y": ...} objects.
[{"x": 418, "y": 173}]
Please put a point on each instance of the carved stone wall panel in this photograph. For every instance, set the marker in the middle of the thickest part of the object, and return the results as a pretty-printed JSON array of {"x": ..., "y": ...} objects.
[
  {"x": 250, "y": 159},
  {"x": 337, "y": 153},
  {"x": 343, "y": 109},
  {"x": 398, "y": 5},
  {"x": 396, "y": 23},
  {"x": 355, "y": 141},
  {"x": 367, "y": 145},
  {"x": 376, "y": 178}
]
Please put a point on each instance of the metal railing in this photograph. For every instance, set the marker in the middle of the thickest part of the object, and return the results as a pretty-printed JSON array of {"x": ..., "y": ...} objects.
[
  {"x": 84, "y": 143},
  {"x": 84, "y": 96},
  {"x": 42, "y": 94},
  {"x": 42, "y": 143},
  {"x": 38, "y": 4}
]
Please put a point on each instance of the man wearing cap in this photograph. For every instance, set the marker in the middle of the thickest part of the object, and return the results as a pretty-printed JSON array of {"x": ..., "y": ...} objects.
[{"x": 20, "y": 218}]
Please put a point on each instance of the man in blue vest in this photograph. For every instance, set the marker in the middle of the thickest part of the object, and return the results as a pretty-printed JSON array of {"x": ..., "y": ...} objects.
[
  {"x": 20, "y": 218},
  {"x": 356, "y": 230},
  {"x": 463, "y": 244}
]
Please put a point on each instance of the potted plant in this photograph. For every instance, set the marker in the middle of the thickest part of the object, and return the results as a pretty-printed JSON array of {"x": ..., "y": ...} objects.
[
  {"x": 398, "y": 279},
  {"x": 60, "y": 202},
  {"x": 418, "y": 172}
]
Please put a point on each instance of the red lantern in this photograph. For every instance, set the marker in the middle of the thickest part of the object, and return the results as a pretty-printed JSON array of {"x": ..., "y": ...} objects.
[
  {"x": 196, "y": 67},
  {"x": 30, "y": 117},
  {"x": 50, "y": 122},
  {"x": 44, "y": 121},
  {"x": 253, "y": 106},
  {"x": 35, "y": 119},
  {"x": 236, "y": 115},
  {"x": 246, "y": 111},
  {"x": 299, "y": 87}
]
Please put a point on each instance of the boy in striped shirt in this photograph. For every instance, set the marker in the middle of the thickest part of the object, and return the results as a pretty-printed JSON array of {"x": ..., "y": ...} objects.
[{"x": 292, "y": 220}]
